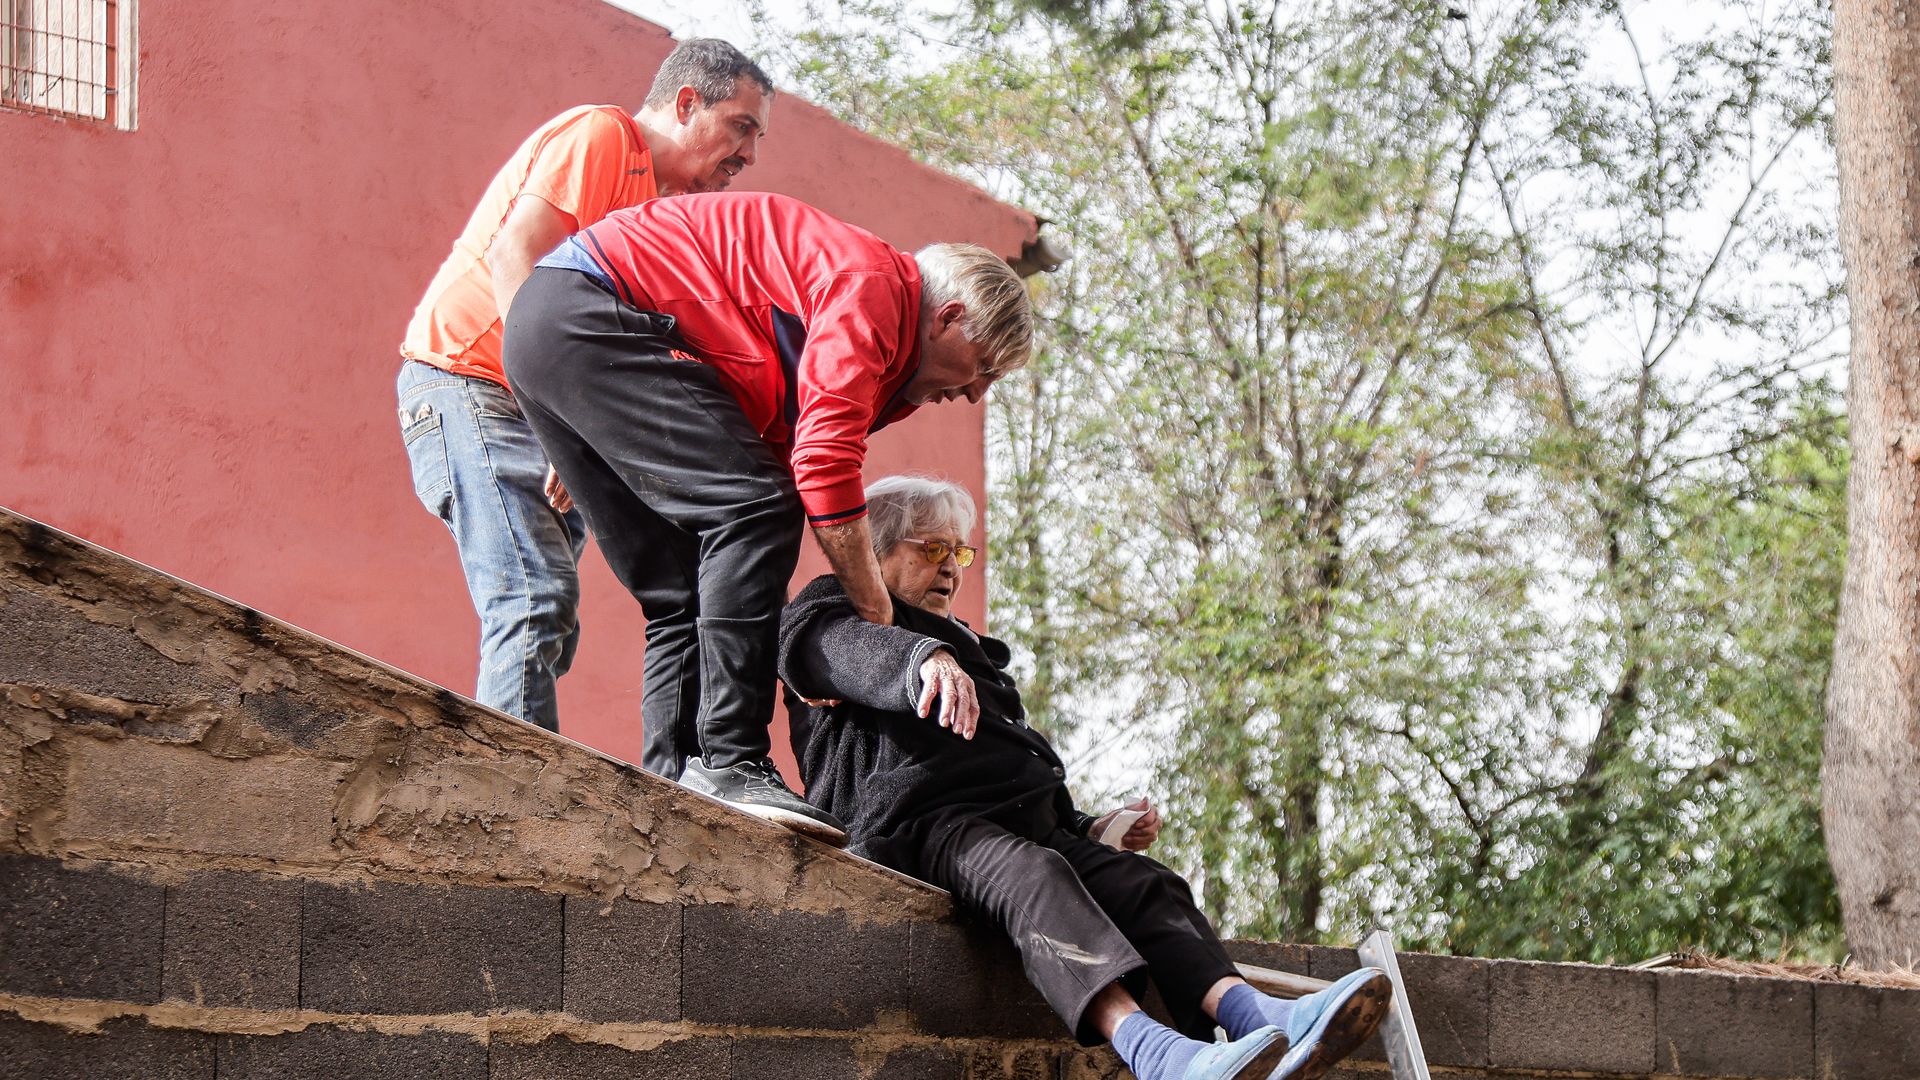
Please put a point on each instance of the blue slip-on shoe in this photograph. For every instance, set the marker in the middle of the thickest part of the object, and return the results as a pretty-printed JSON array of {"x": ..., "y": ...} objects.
[
  {"x": 1329, "y": 1024},
  {"x": 1249, "y": 1058}
]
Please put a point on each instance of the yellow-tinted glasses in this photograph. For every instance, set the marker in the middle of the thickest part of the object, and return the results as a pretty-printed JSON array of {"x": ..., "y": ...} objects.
[{"x": 936, "y": 551}]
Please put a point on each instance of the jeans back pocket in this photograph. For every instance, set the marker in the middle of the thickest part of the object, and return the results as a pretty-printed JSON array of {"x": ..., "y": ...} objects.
[{"x": 427, "y": 451}]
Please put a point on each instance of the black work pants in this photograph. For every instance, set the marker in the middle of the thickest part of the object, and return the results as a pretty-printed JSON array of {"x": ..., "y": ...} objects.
[
  {"x": 1083, "y": 916},
  {"x": 694, "y": 513}
]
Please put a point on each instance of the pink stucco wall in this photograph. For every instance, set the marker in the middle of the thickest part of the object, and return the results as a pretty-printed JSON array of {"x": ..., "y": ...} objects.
[{"x": 198, "y": 319}]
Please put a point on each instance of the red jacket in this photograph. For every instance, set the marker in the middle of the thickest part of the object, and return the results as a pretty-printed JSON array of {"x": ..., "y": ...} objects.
[{"x": 812, "y": 323}]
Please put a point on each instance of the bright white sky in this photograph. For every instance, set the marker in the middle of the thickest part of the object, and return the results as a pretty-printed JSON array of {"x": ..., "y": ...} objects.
[{"x": 708, "y": 18}]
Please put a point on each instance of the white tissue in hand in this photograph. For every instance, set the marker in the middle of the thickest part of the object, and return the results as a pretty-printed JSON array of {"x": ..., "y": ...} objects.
[{"x": 1117, "y": 828}]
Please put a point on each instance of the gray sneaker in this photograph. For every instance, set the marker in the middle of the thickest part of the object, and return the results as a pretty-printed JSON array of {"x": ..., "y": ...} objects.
[{"x": 756, "y": 787}]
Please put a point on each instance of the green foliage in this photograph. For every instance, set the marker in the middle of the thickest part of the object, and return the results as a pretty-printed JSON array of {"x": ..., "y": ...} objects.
[
  {"x": 1709, "y": 837},
  {"x": 1417, "y": 470}
]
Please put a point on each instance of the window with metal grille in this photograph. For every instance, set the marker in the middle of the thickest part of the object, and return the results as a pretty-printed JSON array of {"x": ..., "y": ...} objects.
[{"x": 68, "y": 58}]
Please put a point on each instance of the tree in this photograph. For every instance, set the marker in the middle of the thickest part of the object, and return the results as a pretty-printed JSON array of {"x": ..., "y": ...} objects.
[
  {"x": 1872, "y": 768},
  {"x": 1683, "y": 286}
]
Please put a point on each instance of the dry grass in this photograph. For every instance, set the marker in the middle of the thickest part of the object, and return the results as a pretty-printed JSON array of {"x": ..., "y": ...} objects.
[{"x": 1898, "y": 977}]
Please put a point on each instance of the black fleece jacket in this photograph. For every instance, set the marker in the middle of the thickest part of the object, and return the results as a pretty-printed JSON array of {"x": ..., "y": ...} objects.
[{"x": 897, "y": 779}]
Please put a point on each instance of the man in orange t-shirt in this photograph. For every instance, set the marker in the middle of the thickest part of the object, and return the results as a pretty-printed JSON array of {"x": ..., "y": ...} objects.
[{"x": 476, "y": 464}]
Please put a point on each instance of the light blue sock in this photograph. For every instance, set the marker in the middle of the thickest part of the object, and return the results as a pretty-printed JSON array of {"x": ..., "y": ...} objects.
[
  {"x": 1151, "y": 1049},
  {"x": 1242, "y": 1009}
]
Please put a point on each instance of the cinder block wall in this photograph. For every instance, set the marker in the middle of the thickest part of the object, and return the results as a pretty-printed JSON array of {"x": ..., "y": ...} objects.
[{"x": 230, "y": 849}]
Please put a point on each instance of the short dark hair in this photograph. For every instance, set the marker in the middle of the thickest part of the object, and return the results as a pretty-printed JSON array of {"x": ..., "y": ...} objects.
[{"x": 712, "y": 67}]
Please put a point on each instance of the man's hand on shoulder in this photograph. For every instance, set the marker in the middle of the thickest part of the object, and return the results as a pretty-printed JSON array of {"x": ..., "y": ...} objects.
[{"x": 849, "y": 551}]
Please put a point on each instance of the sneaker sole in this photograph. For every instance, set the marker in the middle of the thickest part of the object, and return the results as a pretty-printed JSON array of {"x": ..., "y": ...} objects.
[
  {"x": 1353, "y": 1022},
  {"x": 1263, "y": 1063},
  {"x": 800, "y": 823}
]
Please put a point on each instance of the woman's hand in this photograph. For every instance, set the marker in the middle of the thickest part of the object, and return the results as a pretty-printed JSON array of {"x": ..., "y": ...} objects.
[
  {"x": 1143, "y": 833},
  {"x": 942, "y": 677},
  {"x": 557, "y": 496}
]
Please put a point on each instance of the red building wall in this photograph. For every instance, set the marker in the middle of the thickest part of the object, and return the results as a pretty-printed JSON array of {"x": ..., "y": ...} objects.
[{"x": 199, "y": 318}]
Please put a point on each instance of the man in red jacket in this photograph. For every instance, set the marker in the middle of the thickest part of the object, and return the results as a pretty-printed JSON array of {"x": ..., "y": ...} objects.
[{"x": 702, "y": 370}]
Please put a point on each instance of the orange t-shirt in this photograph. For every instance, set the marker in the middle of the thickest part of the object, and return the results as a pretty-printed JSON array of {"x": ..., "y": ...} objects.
[{"x": 588, "y": 162}]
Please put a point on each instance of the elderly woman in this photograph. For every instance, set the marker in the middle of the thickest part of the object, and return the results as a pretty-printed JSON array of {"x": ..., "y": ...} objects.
[{"x": 919, "y": 743}]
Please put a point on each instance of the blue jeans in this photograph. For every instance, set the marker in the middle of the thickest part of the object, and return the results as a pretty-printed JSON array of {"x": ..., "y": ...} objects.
[{"x": 478, "y": 468}]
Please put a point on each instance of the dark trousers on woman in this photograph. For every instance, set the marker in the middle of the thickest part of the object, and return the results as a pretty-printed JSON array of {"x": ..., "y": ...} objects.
[
  {"x": 692, "y": 510},
  {"x": 1082, "y": 915}
]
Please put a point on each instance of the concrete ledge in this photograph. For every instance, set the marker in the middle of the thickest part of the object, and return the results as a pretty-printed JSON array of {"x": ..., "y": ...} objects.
[
  {"x": 86, "y": 953},
  {"x": 145, "y": 720}
]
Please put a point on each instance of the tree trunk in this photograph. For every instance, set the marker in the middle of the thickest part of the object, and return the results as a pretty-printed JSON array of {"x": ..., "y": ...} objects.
[{"x": 1871, "y": 774}]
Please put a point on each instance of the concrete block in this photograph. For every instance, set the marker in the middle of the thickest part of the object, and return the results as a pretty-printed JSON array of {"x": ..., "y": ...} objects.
[
  {"x": 1013, "y": 1063},
  {"x": 623, "y": 960},
  {"x": 316, "y": 718},
  {"x": 233, "y": 939},
  {"x": 921, "y": 1063},
  {"x": 17, "y": 799},
  {"x": 1329, "y": 962},
  {"x": 1865, "y": 1033},
  {"x": 409, "y": 949},
  {"x": 1449, "y": 997},
  {"x": 292, "y": 717},
  {"x": 1570, "y": 1016},
  {"x": 1297, "y": 959},
  {"x": 1713, "y": 1024},
  {"x": 680, "y": 1059},
  {"x": 117, "y": 1050},
  {"x": 323, "y": 1051},
  {"x": 180, "y": 798},
  {"x": 965, "y": 980},
  {"x": 79, "y": 932},
  {"x": 742, "y": 966},
  {"x": 52, "y": 644},
  {"x": 1095, "y": 1063},
  {"x": 755, "y": 1058}
]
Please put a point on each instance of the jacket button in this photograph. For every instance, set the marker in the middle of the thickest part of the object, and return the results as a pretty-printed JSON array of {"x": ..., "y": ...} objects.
[{"x": 1058, "y": 771}]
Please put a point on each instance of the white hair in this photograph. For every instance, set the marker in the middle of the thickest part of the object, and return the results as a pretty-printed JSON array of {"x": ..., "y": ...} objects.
[
  {"x": 899, "y": 506},
  {"x": 999, "y": 314}
]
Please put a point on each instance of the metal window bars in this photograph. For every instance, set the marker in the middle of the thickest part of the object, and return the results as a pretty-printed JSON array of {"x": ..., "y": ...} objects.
[{"x": 63, "y": 58}]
